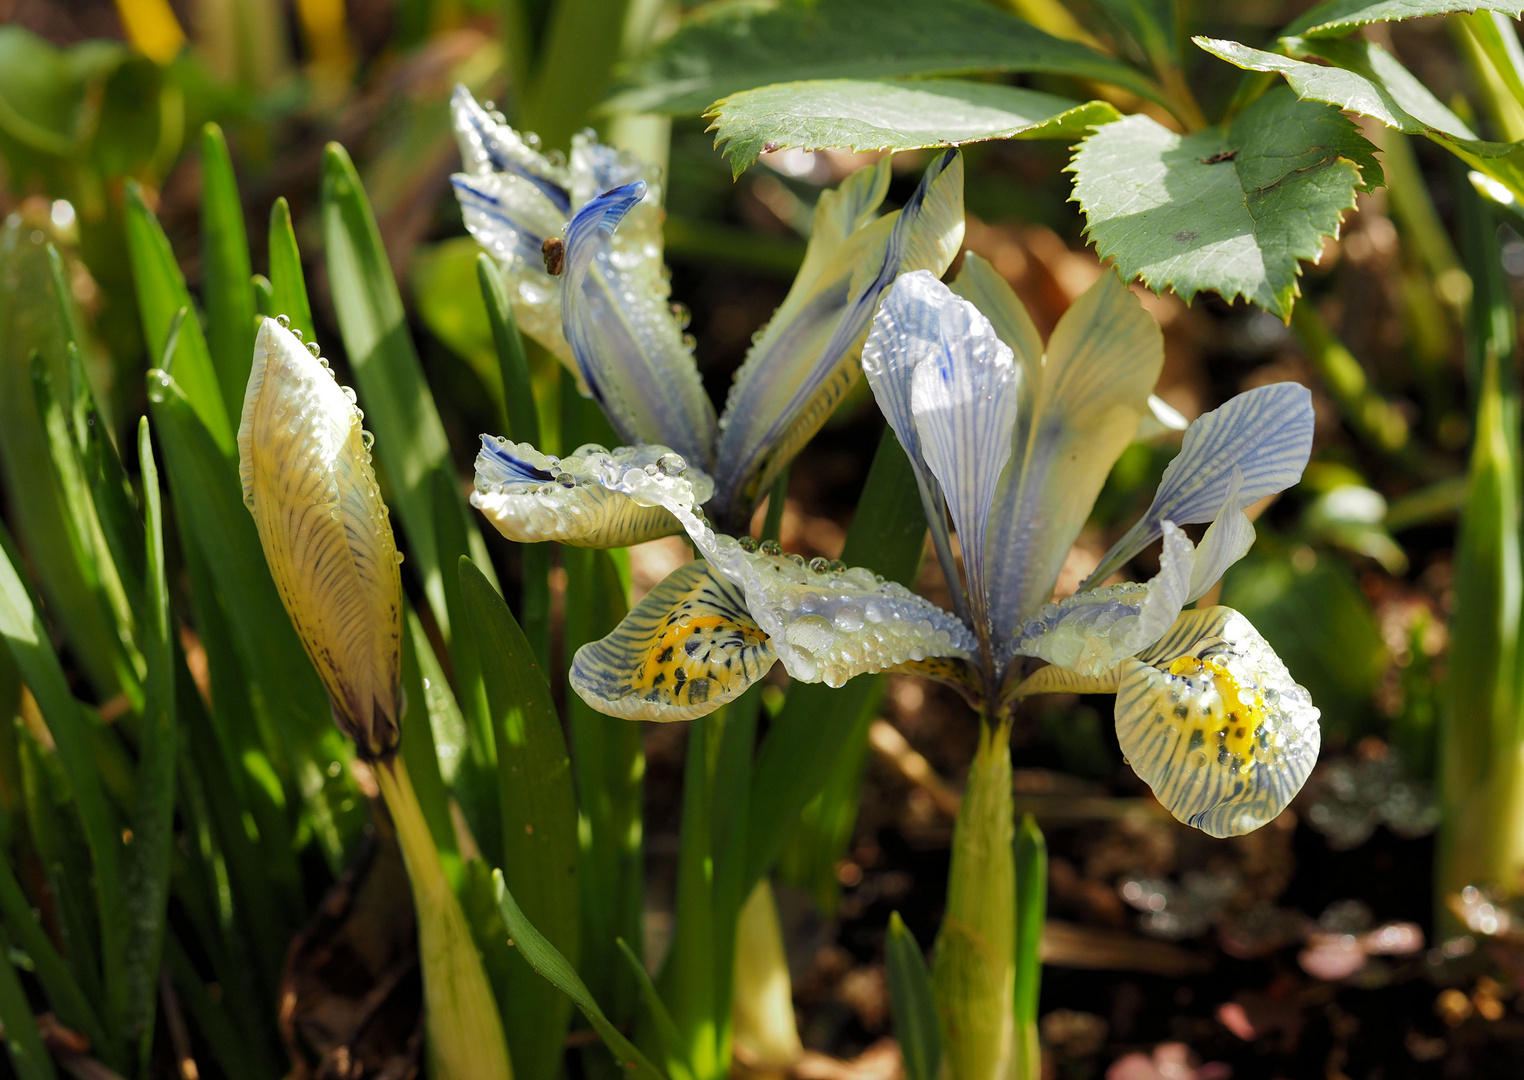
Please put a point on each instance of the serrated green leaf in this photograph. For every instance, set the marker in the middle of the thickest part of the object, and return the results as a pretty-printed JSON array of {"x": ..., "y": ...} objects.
[
  {"x": 1361, "y": 77},
  {"x": 1231, "y": 211},
  {"x": 857, "y": 114},
  {"x": 915, "y": 1013},
  {"x": 726, "y": 48},
  {"x": 539, "y": 815},
  {"x": 225, "y": 272},
  {"x": 1335, "y": 18},
  {"x": 544, "y": 958}
]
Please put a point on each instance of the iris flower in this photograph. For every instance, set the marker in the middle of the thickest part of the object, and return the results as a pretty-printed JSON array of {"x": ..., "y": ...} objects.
[
  {"x": 596, "y": 220},
  {"x": 1011, "y": 442}
]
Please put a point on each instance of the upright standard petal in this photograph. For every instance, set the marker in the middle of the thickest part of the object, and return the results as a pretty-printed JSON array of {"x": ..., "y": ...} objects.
[
  {"x": 307, "y": 478},
  {"x": 1213, "y": 722},
  {"x": 687, "y": 648},
  {"x": 807, "y": 357},
  {"x": 963, "y": 399},
  {"x": 530, "y": 497},
  {"x": 906, "y": 331},
  {"x": 629, "y": 348},
  {"x": 1265, "y": 434},
  {"x": 1081, "y": 404}
]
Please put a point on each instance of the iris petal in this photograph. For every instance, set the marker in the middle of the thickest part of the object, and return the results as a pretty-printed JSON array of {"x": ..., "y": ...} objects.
[
  {"x": 580, "y": 500},
  {"x": 827, "y": 625},
  {"x": 963, "y": 398},
  {"x": 1264, "y": 433},
  {"x": 1211, "y": 719},
  {"x": 807, "y": 357},
  {"x": 687, "y": 648},
  {"x": 1227, "y": 539},
  {"x": 1092, "y": 632},
  {"x": 1081, "y": 405},
  {"x": 907, "y": 330},
  {"x": 487, "y": 146},
  {"x": 628, "y": 346}
]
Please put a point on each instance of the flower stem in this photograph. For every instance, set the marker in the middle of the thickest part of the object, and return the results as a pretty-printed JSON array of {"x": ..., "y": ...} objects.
[
  {"x": 974, "y": 974},
  {"x": 465, "y": 1030}
]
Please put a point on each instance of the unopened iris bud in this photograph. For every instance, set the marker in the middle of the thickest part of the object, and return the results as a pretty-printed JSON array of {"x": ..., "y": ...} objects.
[{"x": 307, "y": 478}]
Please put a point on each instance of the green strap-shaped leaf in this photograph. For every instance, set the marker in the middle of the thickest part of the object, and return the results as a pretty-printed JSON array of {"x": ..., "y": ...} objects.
[
  {"x": 225, "y": 272},
  {"x": 915, "y": 1013},
  {"x": 548, "y": 961},
  {"x": 153, "y": 834},
  {"x": 666, "y": 1028},
  {"x": 796, "y": 757},
  {"x": 399, "y": 408},
  {"x": 161, "y": 296},
  {"x": 419, "y": 751},
  {"x": 288, "y": 285},
  {"x": 539, "y": 814},
  {"x": 1231, "y": 211},
  {"x": 1031, "y": 914},
  {"x": 1336, "y": 18},
  {"x": 22, "y": 1042},
  {"x": 36, "y": 316},
  {"x": 64, "y": 994},
  {"x": 858, "y": 114},
  {"x": 727, "y": 48},
  {"x": 27, "y": 639},
  {"x": 523, "y": 426}
]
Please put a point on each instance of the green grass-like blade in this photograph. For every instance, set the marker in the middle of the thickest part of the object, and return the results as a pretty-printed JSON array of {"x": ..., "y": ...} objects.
[
  {"x": 422, "y": 757},
  {"x": 28, "y": 1056},
  {"x": 288, "y": 284},
  {"x": 149, "y": 856},
  {"x": 85, "y": 533},
  {"x": 666, "y": 1028},
  {"x": 34, "y": 316},
  {"x": 915, "y": 1013},
  {"x": 539, "y": 815},
  {"x": 609, "y": 764},
  {"x": 450, "y": 532},
  {"x": 1031, "y": 913},
  {"x": 161, "y": 295},
  {"x": 65, "y": 996},
  {"x": 410, "y": 440},
  {"x": 291, "y": 707},
  {"x": 60, "y": 845},
  {"x": 28, "y": 642},
  {"x": 225, "y": 272},
  {"x": 796, "y": 757},
  {"x": 548, "y": 961}
]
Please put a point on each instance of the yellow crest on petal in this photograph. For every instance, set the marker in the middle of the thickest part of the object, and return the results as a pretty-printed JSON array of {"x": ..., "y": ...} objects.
[
  {"x": 1214, "y": 723},
  {"x": 686, "y": 649},
  {"x": 307, "y": 478}
]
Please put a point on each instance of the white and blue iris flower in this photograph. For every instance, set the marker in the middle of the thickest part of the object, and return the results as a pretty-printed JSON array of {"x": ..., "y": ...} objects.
[
  {"x": 1011, "y": 441},
  {"x": 607, "y": 314}
]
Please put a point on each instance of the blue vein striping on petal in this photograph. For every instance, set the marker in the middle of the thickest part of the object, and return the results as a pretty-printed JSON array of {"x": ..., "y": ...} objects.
[
  {"x": 473, "y": 197},
  {"x": 498, "y": 466},
  {"x": 1265, "y": 434},
  {"x": 628, "y": 347},
  {"x": 743, "y": 448},
  {"x": 498, "y": 155}
]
